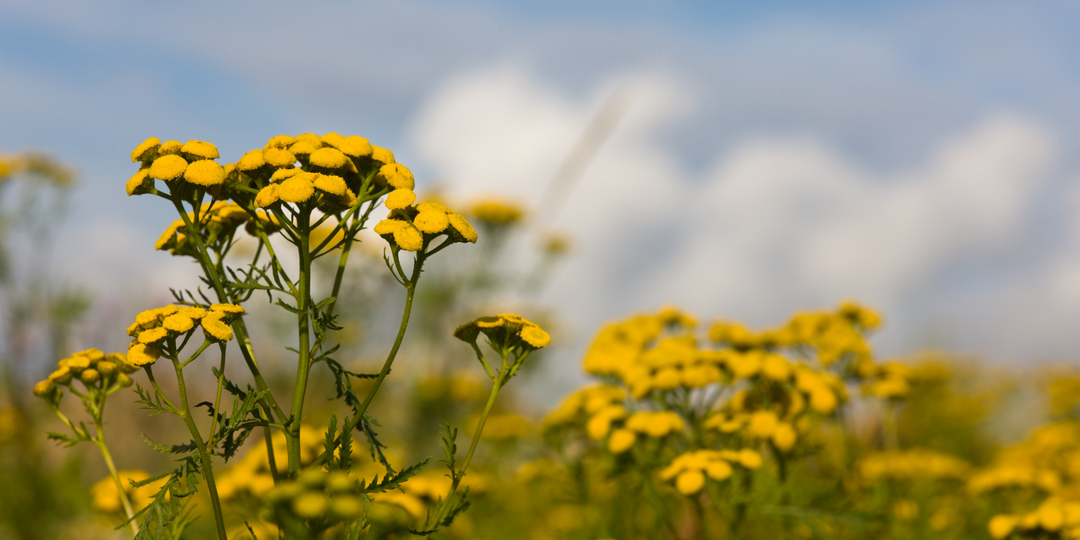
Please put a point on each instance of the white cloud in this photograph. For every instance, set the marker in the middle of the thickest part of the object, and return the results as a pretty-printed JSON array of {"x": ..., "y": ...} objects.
[{"x": 777, "y": 223}]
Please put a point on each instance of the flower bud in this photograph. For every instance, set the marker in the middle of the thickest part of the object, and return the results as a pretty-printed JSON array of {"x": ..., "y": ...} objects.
[
  {"x": 309, "y": 505},
  {"x": 61, "y": 376},
  {"x": 90, "y": 376}
]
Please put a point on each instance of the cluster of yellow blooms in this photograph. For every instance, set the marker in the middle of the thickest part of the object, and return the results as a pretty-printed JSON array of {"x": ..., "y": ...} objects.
[
  {"x": 95, "y": 369},
  {"x": 505, "y": 330},
  {"x": 251, "y": 476},
  {"x": 689, "y": 470},
  {"x": 1054, "y": 518},
  {"x": 422, "y": 491},
  {"x": 331, "y": 172},
  {"x": 318, "y": 495},
  {"x": 154, "y": 327},
  {"x": 912, "y": 464}
]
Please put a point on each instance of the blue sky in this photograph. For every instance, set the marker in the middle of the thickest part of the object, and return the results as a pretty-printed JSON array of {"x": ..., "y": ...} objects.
[{"x": 775, "y": 156}]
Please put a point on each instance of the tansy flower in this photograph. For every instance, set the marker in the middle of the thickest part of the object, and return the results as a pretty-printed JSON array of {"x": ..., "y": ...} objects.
[
  {"x": 689, "y": 470},
  {"x": 330, "y": 158},
  {"x": 200, "y": 149},
  {"x": 507, "y": 328},
  {"x": 168, "y": 167},
  {"x": 205, "y": 173},
  {"x": 281, "y": 174},
  {"x": 496, "y": 211},
  {"x": 251, "y": 161},
  {"x": 140, "y": 183},
  {"x": 169, "y": 147},
  {"x": 145, "y": 150},
  {"x": 280, "y": 142},
  {"x": 304, "y": 148},
  {"x": 399, "y": 199},
  {"x": 296, "y": 189},
  {"x": 383, "y": 155},
  {"x": 396, "y": 175},
  {"x": 141, "y": 355},
  {"x": 353, "y": 146},
  {"x": 467, "y": 232},
  {"x": 277, "y": 157}
]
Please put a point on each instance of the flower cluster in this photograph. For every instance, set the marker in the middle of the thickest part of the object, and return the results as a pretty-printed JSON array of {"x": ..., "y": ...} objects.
[
  {"x": 913, "y": 464},
  {"x": 505, "y": 331},
  {"x": 496, "y": 212},
  {"x": 105, "y": 498},
  {"x": 154, "y": 328},
  {"x": 317, "y": 495},
  {"x": 93, "y": 368},
  {"x": 412, "y": 226},
  {"x": 689, "y": 470},
  {"x": 1054, "y": 518}
]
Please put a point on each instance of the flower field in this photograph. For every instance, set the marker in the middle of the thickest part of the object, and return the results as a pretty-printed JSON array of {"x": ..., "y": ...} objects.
[{"x": 359, "y": 362}]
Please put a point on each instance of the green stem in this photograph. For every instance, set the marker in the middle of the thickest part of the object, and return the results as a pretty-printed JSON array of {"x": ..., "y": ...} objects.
[
  {"x": 303, "y": 367},
  {"x": 204, "y": 454},
  {"x": 410, "y": 290},
  {"x": 100, "y": 442},
  {"x": 239, "y": 328},
  {"x": 217, "y": 398}
]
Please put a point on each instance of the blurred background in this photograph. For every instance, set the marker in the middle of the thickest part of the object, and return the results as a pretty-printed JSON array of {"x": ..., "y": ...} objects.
[{"x": 745, "y": 159}]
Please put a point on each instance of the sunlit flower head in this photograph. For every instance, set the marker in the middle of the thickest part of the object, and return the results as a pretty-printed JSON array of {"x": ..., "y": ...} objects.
[
  {"x": 169, "y": 167},
  {"x": 396, "y": 175},
  {"x": 200, "y": 149},
  {"x": 205, "y": 173},
  {"x": 145, "y": 150}
]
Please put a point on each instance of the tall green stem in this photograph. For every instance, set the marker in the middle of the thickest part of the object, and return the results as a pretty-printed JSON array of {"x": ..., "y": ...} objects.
[
  {"x": 204, "y": 454},
  {"x": 303, "y": 367},
  {"x": 100, "y": 442}
]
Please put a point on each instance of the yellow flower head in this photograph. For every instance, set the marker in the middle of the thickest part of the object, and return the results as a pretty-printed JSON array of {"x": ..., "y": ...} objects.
[
  {"x": 467, "y": 232},
  {"x": 140, "y": 183},
  {"x": 381, "y": 154},
  {"x": 178, "y": 323},
  {"x": 296, "y": 189},
  {"x": 216, "y": 329},
  {"x": 169, "y": 147},
  {"x": 205, "y": 173},
  {"x": 281, "y": 174},
  {"x": 331, "y": 158},
  {"x": 329, "y": 183},
  {"x": 153, "y": 335},
  {"x": 277, "y": 157},
  {"x": 396, "y": 175},
  {"x": 280, "y": 142},
  {"x": 621, "y": 440},
  {"x": 251, "y": 161},
  {"x": 400, "y": 198},
  {"x": 431, "y": 222},
  {"x": 200, "y": 149},
  {"x": 141, "y": 355},
  {"x": 505, "y": 328},
  {"x": 354, "y": 146},
  {"x": 304, "y": 147},
  {"x": 267, "y": 196},
  {"x": 168, "y": 167},
  {"x": 408, "y": 238},
  {"x": 145, "y": 150}
]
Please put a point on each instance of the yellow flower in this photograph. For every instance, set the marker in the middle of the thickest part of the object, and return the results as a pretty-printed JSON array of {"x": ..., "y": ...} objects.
[
  {"x": 431, "y": 222},
  {"x": 334, "y": 185},
  {"x": 535, "y": 336},
  {"x": 690, "y": 482},
  {"x": 267, "y": 196},
  {"x": 354, "y": 146},
  {"x": 462, "y": 227},
  {"x": 169, "y": 147},
  {"x": 168, "y": 167},
  {"x": 622, "y": 439},
  {"x": 277, "y": 157},
  {"x": 1002, "y": 525},
  {"x": 230, "y": 309},
  {"x": 145, "y": 150},
  {"x": 432, "y": 206},
  {"x": 295, "y": 189},
  {"x": 90, "y": 376},
  {"x": 400, "y": 198},
  {"x": 331, "y": 158},
  {"x": 141, "y": 355},
  {"x": 280, "y": 142},
  {"x": 303, "y": 148},
  {"x": 205, "y": 173},
  {"x": 44, "y": 388},
  {"x": 200, "y": 149},
  {"x": 388, "y": 226},
  {"x": 383, "y": 155},
  {"x": 783, "y": 437},
  {"x": 153, "y": 335},
  {"x": 140, "y": 183},
  {"x": 408, "y": 238},
  {"x": 178, "y": 323},
  {"x": 215, "y": 328},
  {"x": 395, "y": 174},
  {"x": 251, "y": 161}
]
